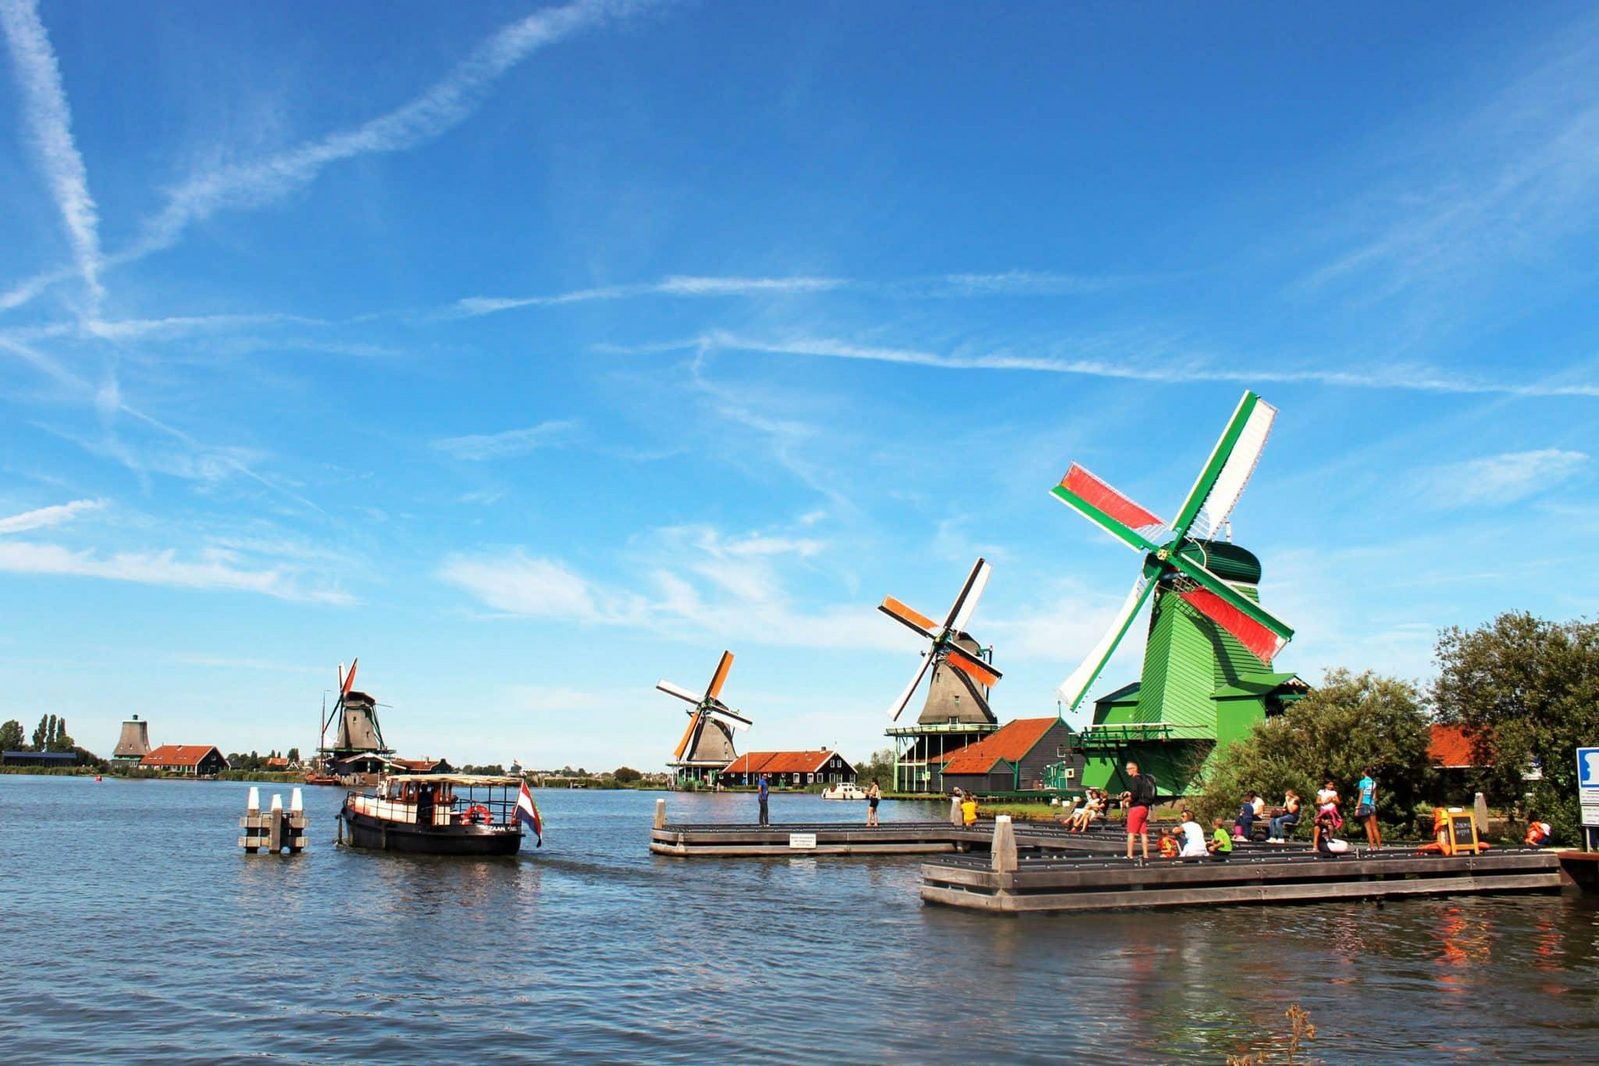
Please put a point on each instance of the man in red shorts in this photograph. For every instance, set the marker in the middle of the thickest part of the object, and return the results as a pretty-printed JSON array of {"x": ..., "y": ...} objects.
[{"x": 1139, "y": 797}]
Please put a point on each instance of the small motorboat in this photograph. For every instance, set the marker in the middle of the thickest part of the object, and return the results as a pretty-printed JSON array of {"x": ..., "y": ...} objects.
[
  {"x": 844, "y": 792},
  {"x": 440, "y": 814}
]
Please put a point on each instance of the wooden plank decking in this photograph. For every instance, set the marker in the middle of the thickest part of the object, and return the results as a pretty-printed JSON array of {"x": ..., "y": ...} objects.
[
  {"x": 1062, "y": 884},
  {"x": 854, "y": 838}
]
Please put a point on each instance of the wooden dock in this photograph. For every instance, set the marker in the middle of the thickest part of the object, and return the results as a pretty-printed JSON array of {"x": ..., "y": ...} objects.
[{"x": 1060, "y": 884}]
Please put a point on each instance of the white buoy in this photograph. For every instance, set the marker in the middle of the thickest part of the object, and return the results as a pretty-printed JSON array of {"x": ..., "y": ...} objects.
[
  {"x": 277, "y": 803},
  {"x": 295, "y": 803},
  {"x": 253, "y": 804}
]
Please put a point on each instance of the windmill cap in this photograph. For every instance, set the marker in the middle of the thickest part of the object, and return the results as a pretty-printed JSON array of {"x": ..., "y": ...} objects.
[{"x": 1227, "y": 561}]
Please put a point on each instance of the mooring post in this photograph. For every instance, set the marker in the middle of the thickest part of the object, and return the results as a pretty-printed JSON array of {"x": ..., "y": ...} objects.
[
  {"x": 1479, "y": 811},
  {"x": 1002, "y": 852},
  {"x": 955, "y": 811},
  {"x": 660, "y": 814},
  {"x": 275, "y": 825},
  {"x": 253, "y": 804}
]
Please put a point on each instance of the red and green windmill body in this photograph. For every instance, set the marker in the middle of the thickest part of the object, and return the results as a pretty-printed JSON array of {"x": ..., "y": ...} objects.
[{"x": 1207, "y": 675}]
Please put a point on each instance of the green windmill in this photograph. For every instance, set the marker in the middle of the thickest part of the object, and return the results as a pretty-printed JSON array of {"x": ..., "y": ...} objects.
[{"x": 1207, "y": 676}]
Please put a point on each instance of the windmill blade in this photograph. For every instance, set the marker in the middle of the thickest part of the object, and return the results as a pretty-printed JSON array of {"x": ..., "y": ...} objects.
[
  {"x": 971, "y": 592},
  {"x": 693, "y": 726},
  {"x": 720, "y": 677},
  {"x": 1119, "y": 516},
  {"x": 1262, "y": 643},
  {"x": 1075, "y": 687},
  {"x": 349, "y": 679},
  {"x": 1225, "y": 474},
  {"x": 677, "y": 690},
  {"x": 1279, "y": 632},
  {"x": 1255, "y": 627},
  {"x": 973, "y": 666},
  {"x": 910, "y": 689},
  {"x": 731, "y": 718},
  {"x": 909, "y": 618}
]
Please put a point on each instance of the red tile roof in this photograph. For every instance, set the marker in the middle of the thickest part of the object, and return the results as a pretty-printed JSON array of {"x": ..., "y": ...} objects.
[
  {"x": 178, "y": 755},
  {"x": 779, "y": 762},
  {"x": 1011, "y": 742},
  {"x": 1450, "y": 747}
]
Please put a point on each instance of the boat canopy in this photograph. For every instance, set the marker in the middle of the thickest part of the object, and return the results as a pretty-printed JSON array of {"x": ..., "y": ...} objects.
[{"x": 467, "y": 780}]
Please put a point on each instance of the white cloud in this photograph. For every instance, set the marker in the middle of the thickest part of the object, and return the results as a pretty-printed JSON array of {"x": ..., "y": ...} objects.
[
  {"x": 694, "y": 582},
  {"x": 212, "y": 570},
  {"x": 509, "y": 443},
  {"x": 1415, "y": 379},
  {"x": 49, "y": 121},
  {"x": 676, "y": 285},
  {"x": 1502, "y": 479},
  {"x": 46, "y": 517}
]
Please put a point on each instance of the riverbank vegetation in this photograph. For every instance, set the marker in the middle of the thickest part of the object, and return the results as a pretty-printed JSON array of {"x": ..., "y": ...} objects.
[{"x": 1524, "y": 690}]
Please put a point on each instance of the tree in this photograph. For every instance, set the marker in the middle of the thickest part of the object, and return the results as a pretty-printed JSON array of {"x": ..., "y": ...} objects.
[
  {"x": 12, "y": 736},
  {"x": 626, "y": 775},
  {"x": 294, "y": 755},
  {"x": 1347, "y": 725},
  {"x": 41, "y": 734},
  {"x": 879, "y": 768},
  {"x": 61, "y": 741},
  {"x": 1526, "y": 691},
  {"x": 50, "y": 734}
]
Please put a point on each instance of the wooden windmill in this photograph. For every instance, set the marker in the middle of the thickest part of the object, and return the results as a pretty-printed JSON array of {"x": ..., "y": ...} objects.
[
  {"x": 1207, "y": 675},
  {"x": 356, "y": 716},
  {"x": 956, "y": 712},
  {"x": 707, "y": 744}
]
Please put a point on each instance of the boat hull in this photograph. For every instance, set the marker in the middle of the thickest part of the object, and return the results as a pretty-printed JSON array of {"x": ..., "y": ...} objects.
[{"x": 374, "y": 834}]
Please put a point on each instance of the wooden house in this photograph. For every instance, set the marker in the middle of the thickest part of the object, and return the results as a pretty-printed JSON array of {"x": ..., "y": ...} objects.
[
  {"x": 189, "y": 760},
  {"x": 790, "y": 769},
  {"x": 1010, "y": 760}
]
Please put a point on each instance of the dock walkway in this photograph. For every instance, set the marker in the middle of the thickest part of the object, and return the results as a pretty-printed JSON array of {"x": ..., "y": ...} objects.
[{"x": 1060, "y": 884}]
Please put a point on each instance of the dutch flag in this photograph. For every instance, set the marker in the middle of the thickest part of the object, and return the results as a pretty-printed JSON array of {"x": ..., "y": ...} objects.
[{"x": 527, "y": 812}]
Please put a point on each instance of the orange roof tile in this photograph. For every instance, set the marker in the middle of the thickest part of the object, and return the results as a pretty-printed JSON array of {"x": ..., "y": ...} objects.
[
  {"x": 178, "y": 755},
  {"x": 1011, "y": 742},
  {"x": 779, "y": 762},
  {"x": 1449, "y": 747}
]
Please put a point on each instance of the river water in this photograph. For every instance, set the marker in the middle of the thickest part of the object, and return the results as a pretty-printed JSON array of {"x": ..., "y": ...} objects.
[{"x": 134, "y": 929}]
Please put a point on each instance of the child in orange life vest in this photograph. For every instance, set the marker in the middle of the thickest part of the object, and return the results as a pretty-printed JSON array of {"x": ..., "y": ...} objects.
[
  {"x": 1538, "y": 833},
  {"x": 1169, "y": 847}
]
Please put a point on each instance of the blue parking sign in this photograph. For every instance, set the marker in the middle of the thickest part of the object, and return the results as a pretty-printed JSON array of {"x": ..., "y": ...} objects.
[{"x": 1588, "y": 769}]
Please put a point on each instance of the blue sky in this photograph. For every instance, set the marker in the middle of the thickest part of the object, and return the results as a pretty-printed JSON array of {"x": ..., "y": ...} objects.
[{"x": 533, "y": 353}]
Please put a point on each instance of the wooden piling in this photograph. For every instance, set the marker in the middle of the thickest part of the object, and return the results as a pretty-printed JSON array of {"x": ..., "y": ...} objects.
[
  {"x": 660, "y": 814},
  {"x": 1002, "y": 852},
  {"x": 276, "y": 830}
]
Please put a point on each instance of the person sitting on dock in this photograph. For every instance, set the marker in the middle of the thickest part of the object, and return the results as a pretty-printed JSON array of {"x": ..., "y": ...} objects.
[
  {"x": 969, "y": 809},
  {"x": 1327, "y": 817},
  {"x": 1193, "y": 837},
  {"x": 1170, "y": 846},
  {"x": 1538, "y": 833},
  {"x": 1083, "y": 817},
  {"x": 1244, "y": 827},
  {"x": 1221, "y": 845},
  {"x": 1285, "y": 822},
  {"x": 1139, "y": 797}
]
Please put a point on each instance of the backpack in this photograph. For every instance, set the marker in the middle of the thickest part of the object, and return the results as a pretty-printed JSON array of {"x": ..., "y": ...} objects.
[{"x": 1146, "y": 790}]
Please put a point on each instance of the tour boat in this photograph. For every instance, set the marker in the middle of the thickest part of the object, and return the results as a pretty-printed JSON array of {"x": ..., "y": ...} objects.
[
  {"x": 844, "y": 792},
  {"x": 440, "y": 814}
]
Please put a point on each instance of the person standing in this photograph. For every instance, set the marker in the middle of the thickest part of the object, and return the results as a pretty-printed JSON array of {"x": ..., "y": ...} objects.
[
  {"x": 873, "y": 795},
  {"x": 1366, "y": 809},
  {"x": 763, "y": 792},
  {"x": 1139, "y": 797}
]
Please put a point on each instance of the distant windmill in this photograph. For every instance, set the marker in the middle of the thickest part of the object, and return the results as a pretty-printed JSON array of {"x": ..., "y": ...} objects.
[
  {"x": 955, "y": 713},
  {"x": 951, "y": 646},
  {"x": 1180, "y": 558},
  {"x": 357, "y": 717},
  {"x": 707, "y": 744}
]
